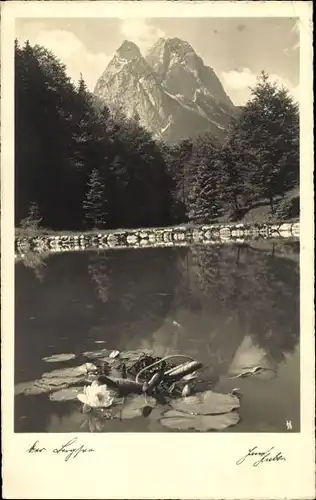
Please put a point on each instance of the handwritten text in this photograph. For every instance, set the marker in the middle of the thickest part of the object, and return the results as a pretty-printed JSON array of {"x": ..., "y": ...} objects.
[
  {"x": 68, "y": 450},
  {"x": 261, "y": 457}
]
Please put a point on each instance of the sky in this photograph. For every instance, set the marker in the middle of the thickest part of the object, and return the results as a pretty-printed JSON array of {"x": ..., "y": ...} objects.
[{"x": 238, "y": 49}]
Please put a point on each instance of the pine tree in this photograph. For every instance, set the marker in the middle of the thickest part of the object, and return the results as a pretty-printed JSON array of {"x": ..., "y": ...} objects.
[
  {"x": 262, "y": 151},
  {"x": 94, "y": 205},
  {"x": 204, "y": 197},
  {"x": 43, "y": 136},
  {"x": 232, "y": 160},
  {"x": 73, "y": 141}
]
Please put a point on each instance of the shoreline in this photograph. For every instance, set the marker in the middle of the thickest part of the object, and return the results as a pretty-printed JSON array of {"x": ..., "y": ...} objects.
[{"x": 181, "y": 235}]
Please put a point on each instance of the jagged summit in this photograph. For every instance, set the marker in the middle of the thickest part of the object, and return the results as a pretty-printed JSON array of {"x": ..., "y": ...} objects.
[
  {"x": 183, "y": 71},
  {"x": 128, "y": 50},
  {"x": 171, "y": 89},
  {"x": 174, "y": 44}
]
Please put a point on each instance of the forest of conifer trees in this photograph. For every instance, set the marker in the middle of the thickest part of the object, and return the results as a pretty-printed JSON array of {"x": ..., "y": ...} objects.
[{"x": 81, "y": 165}]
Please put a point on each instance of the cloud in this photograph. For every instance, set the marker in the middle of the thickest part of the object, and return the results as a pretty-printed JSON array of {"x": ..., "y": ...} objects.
[
  {"x": 238, "y": 80},
  {"x": 141, "y": 32},
  {"x": 237, "y": 84},
  {"x": 71, "y": 51}
]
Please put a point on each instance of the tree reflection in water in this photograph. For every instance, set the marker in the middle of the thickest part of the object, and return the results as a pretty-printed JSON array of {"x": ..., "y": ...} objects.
[
  {"x": 203, "y": 299},
  {"x": 257, "y": 291},
  {"x": 222, "y": 305}
]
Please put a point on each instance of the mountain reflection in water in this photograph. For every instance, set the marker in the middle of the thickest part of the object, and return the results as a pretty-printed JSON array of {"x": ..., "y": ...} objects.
[{"x": 227, "y": 306}]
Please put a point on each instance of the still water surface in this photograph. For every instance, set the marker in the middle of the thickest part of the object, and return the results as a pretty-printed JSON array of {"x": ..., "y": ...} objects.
[{"x": 222, "y": 305}]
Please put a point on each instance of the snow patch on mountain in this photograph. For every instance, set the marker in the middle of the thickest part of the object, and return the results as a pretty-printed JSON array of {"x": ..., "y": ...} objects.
[
  {"x": 171, "y": 89},
  {"x": 163, "y": 130}
]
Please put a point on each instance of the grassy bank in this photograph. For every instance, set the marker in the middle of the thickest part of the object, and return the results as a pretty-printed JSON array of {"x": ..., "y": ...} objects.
[{"x": 286, "y": 209}]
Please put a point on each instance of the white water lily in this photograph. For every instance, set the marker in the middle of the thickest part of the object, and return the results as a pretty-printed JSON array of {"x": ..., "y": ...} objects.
[{"x": 96, "y": 396}]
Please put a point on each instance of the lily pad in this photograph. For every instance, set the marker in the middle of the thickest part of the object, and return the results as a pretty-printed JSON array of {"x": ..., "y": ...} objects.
[
  {"x": 57, "y": 358},
  {"x": 181, "y": 421},
  {"x": 136, "y": 406},
  {"x": 157, "y": 412},
  {"x": 67, "y": 374},
  {"x": 52, "y": 381},
  {"x": 67, "y": 394},
  {"x": 32, "y": 388},
  {"x": 101, "y": 353},
  {"x": 206, "y": 403}
]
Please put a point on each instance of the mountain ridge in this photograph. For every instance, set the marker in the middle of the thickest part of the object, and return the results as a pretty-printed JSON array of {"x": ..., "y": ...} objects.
[{"x": 171, "y": 90}]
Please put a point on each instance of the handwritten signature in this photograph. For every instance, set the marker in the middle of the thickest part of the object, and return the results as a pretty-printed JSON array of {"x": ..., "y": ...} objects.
[
  {"x": 67, "y": 451},
  {"x": 265, "y": 456}
]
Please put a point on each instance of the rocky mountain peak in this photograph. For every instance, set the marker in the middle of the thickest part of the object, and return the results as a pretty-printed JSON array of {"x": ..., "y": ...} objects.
[
  {"x": 128, "y": 50},
  {"x": 173, "y": 45},
  {"x": 171, "y": 89},
  {"x": 168, "y": 51},
  {"x": 177, "y": 46}
]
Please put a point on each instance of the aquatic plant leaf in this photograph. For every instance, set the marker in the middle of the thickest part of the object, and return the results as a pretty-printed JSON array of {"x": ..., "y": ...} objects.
[
  {"x": 206, "y": 403},
  {"x": 157, "y": 412},
  {"x": 66, "y": 373},
  {"x": 32, "y": 388},
  {"x": 67, "y": 394},
  {"x": 101, "y": 353},
  {"x": 52, "y": 381},
  {"x": 134, "y": 406},
  {"x": 57, "y": 358},
  {"x": 181, "y": 421}
]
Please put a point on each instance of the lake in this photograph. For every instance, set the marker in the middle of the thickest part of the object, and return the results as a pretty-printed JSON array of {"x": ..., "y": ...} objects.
[{"x": 224, "y": 305}]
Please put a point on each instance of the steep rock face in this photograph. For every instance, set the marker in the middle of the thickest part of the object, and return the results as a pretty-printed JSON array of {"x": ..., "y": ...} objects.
[
  {"x": 171, "y": 90},
  {"x": 183, "y": 71},
  {"x": 130, "y": 83}
]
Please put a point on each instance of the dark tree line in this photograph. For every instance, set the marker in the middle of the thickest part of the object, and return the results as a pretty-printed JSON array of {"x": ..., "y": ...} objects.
[
  {"x": 259, "y": 159},
  {"x": 80, "y": 165}
]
